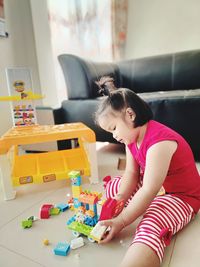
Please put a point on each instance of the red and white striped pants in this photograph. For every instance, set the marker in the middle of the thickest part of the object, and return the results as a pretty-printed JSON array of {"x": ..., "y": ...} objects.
[{"x": 165, "y": 216}]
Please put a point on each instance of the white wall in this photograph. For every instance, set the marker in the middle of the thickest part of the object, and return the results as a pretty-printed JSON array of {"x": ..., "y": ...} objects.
[
  {"x": 18, "y": 50},
  {"x": 39, "y": 9},
  {"x": 160, "y": 26}
]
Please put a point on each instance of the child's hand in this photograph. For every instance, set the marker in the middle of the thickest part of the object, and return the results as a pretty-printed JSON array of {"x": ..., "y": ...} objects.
[{"x": 114, "y": 225}]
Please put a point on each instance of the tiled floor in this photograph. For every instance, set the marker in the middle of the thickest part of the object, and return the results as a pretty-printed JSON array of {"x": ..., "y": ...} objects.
[{"x": 24, "y": 247}]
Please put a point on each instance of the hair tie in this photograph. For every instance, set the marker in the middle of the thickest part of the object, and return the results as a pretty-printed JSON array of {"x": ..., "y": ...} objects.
[{"x": 106, "y": 85}]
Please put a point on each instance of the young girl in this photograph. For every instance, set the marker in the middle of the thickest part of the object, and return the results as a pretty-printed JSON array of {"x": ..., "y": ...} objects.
[{"x": 156, "y": 157}]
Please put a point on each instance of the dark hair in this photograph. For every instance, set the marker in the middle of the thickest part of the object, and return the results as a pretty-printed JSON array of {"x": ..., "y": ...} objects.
[{"x": 119, "y": 99}]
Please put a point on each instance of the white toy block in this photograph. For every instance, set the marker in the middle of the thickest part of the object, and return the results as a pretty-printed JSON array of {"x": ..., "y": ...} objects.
[
  {"x": 98, "y": 231},
  {"x": 77, "y": 243}
]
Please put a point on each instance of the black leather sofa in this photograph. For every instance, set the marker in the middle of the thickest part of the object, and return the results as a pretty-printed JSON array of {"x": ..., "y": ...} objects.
[{"x": 169, "y": 83}]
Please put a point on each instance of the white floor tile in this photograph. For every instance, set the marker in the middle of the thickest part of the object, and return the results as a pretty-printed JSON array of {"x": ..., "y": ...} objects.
[{"x": 12, "y": 259}]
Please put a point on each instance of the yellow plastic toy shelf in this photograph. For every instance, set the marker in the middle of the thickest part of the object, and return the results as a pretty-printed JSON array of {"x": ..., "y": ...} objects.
[{"x": 48, "y": 166}]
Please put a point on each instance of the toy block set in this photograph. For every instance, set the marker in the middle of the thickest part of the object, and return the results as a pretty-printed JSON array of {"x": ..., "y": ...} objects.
[
  {"x": 86, "y": 220},
  {"x": 85, "y": 205}
]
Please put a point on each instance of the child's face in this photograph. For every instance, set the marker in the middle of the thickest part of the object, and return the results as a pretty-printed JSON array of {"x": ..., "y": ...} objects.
[{"x": 121, "y": 126}]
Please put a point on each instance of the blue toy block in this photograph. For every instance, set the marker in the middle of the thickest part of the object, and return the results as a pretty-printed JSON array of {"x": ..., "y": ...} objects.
[
  {"x": 77, "y": 203},
  {"x": 76, "y": 181},
  {"x": 62, "y": 207},
  {"x": 62, "y": 249},
  {"x": 95, "y": 209},
  {"x": 72, "y": 219}
]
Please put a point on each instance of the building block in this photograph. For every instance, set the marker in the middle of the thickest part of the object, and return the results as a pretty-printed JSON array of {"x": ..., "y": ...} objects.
[
  {"x": 54, "y": 211},
  {"x": 80, "y": 227},
  {"x": 98, "y": 231},
  {"x": 27, "y": 224},
  {"x": 76, "y": 181},
  {"x": 88, "y": 198},
  {"x": 76, "y": 191},
  {"x": 62, "y": 249},
  {"x": 72, "y": 219},
  {"x": 75, "y": 177},
  {"x": 74, "y": 174},
  {"x": 77, "y": 203},
  {"x": 111, "y": 208},
  {"x": 62, "y": 207},
  {"x": 45, "y": 211},
  {"x": 77, "y": 243}
]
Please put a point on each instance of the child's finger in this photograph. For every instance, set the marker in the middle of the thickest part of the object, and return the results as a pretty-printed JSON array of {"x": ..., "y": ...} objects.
[
  {"x": 106, "y": 223},
  {"x": 107, "y": 237}
]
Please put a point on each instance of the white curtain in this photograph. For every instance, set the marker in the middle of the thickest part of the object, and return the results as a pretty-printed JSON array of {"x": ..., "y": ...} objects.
[{"x": 94, "y": 29}]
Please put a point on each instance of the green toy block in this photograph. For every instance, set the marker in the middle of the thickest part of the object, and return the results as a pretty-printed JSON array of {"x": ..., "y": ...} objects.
[
  {"x": 81, "y": 228},
  {"x": 27, "y": 224},
  {"x": 74, "y": 174},
  {"x": 54, "y": 211}
]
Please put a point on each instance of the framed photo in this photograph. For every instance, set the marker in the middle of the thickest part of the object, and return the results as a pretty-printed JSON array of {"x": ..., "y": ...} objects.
[
  {"x": 21, "y": 92},
  {"x": 3, "y": 32}
]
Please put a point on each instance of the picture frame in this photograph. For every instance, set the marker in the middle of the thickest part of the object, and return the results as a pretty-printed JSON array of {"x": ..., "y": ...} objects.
[
  {"x": 20, "y": 89},
  {"x": 3, "y": 32}
]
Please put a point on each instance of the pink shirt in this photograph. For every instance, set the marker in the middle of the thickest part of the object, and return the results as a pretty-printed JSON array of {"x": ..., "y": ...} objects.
[{"x": 182, "y": 179}]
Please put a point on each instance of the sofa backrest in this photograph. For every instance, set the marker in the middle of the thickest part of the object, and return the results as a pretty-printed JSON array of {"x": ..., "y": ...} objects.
[
  {"x": 176, "y": 71},
  {"x": 80, "y": 75}
]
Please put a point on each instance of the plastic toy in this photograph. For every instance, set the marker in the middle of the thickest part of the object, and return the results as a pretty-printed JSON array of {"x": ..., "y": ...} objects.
[
  {"x": 45, "y": 211},
  {"x": 62, "y": 249},
  {"x": 46, "y": 242},
  {"x": 98, "y": 231},
  {"x": 85, "y": 205},
  {"x": 111, "y": 208},
  {"x": 85, "y": 218},
  {"x": 75, "y": 178},
  {"x": 77, "y": 243},
  {"x": 48, "y": 166},
  {"x": 29, "y": 222},
  {"x": 54, "y": 211},
  {"x": 41, "y": 167},
  {"x": 62, "y": 207}
]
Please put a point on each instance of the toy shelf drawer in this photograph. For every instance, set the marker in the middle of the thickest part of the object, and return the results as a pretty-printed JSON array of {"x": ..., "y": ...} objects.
[{"x": 48, "y": 166}]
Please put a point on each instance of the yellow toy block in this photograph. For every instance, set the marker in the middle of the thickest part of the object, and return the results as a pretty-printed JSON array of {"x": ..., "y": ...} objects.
[
  {"x": 76, "y": 191},
  {"x": 98, "y": 231}
]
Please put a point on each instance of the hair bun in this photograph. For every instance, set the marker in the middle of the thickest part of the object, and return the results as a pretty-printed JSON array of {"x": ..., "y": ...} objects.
[{"x": 106, "y": 85}]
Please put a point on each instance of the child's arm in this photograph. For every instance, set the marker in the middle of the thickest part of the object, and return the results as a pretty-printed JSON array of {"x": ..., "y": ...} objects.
[
  {"x": 157, "y": 164},
  {"x": 129, "y": 179}
]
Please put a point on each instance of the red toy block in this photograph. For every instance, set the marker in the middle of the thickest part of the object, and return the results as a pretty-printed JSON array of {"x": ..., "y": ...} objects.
[
  {"x": 45, "y": 211},
  {"x": 111, "y": 208}
]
